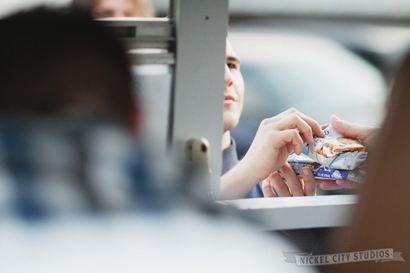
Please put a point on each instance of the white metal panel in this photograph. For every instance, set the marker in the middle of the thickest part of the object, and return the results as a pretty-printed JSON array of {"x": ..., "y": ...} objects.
[
  {"x": 201, "y": 28},
  {"x": 285, "y": 213}
]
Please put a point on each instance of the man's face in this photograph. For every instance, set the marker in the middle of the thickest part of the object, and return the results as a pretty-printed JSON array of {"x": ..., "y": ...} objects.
[
  {"x": 114, "y": 8},
  {"x": 234, "y": 89}
]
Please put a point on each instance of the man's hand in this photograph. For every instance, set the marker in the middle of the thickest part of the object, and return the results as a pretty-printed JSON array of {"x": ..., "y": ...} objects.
[
  {"x": 287, "y": 183},
  {"x": 337, "y": 185},
  {"x": 296, "y": 186},
  {"x": 363, "y": 133},
  {"x": 276, "y": 138}
]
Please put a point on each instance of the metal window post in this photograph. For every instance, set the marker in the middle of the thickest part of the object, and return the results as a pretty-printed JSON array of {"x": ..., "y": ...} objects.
[
  {"x": 201, "y": 29},
  {"x": 192, "y": 41}
]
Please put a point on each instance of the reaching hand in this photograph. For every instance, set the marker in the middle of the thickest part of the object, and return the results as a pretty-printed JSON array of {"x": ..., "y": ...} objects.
[
  {"x": 352, "y": 130},
  {"x": 276, "y": 138},
  {"x": 363, "y": 133},
  {"x": 287, "y": 183}
]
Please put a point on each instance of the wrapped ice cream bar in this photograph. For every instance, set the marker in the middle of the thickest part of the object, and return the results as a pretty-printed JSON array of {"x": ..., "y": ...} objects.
[
  {"x": 336, "y": 152},
  {"x": 321, "y": 172}
]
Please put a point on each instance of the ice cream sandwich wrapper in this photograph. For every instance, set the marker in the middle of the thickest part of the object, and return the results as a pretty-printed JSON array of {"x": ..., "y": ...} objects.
[
  {"x": 336, "y": 152},
  {"x": 321, "y": 172}
]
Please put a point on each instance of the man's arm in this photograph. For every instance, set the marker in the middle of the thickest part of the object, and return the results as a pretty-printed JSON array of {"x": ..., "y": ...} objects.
[
  {"x": 275, "y": 186},
  {"x": 237, "y": 182},
  {"x": 275, "y": 139}
]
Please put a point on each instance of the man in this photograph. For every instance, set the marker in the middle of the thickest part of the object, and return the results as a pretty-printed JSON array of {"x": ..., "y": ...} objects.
[
  {"x": 275, "y": 139},
  {"x": 116, "y": 8}
]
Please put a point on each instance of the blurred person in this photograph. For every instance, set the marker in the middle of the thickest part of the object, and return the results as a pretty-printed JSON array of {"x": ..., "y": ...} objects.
[
  {"x": 67, "y": 152},
  {"x": 116, "y": 8},
  {"x": 71, "y": 67},
  {"x": 381, "y": 219},
  {"x": 275, "y": 139},
  {"x": 64, "y": 79}
]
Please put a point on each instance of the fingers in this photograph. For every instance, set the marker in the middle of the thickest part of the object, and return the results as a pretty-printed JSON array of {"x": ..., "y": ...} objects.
[
  {"x": 309, "y": 182},
  {"x": 343, "y": 127},
  {"x": 295, "y": 122},
  {"x": 327, "y": 185},
  {"x": 293, "y": 119},
  {"x": 337, "y": 185},
  {"x": 292, "y": 180},
  {"x": 347, "y": 184},
  {"x": 267, "y": 188},
  {"x": 291, "y": 138},
  {"x": 315, "y": 126},
  {"x": 351, "y": 130},
  {"x": 294, "y": 186},
  {"x": 280, "y": 187}
]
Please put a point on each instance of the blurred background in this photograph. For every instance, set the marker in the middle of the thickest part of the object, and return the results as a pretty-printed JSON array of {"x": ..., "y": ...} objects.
[{"x": 322, "y": 57}]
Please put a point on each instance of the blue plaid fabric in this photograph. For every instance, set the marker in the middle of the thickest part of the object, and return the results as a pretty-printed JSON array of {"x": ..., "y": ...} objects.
[{"x": 61, "y": 167}]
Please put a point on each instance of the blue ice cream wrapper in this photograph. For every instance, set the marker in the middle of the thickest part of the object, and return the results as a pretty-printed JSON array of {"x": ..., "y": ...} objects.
[{"x": 321, "y": 172}]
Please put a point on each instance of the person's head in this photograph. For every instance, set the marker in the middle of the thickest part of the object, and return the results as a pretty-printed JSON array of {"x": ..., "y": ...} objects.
[
  {"x": 382, "y": 217},
  {"x": 60, "y": 62},
  {"x": 234, "y": 89},
  {"x": 116, "y": 8}
]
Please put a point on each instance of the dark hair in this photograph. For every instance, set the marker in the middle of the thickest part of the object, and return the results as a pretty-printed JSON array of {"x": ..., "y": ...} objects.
[
  {"x": 57, "y": 61},
  {"x": 382, "y": 219},
  {"x": 84, "y": 4}
]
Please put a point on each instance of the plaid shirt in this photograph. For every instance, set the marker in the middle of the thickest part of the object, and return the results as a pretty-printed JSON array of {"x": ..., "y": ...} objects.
[{"x": 60, "y": 167}]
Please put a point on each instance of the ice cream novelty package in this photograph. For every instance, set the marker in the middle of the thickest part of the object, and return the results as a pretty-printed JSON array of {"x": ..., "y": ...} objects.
[{"x": 333, "y": 157}]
